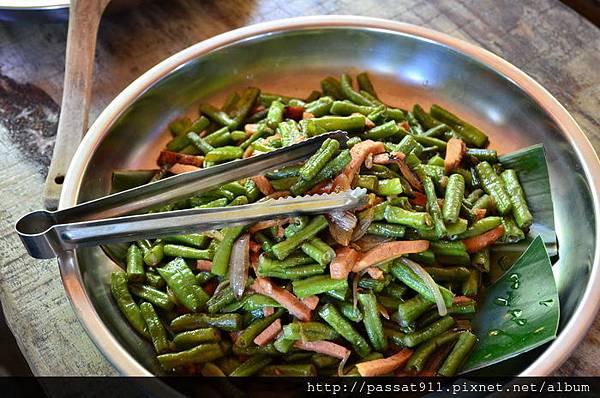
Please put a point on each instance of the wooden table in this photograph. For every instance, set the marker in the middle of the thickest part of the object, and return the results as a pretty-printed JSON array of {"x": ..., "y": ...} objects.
[{"x": 547, "y": 40}]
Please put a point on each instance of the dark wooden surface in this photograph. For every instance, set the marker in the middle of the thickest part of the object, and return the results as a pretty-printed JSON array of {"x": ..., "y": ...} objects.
[{"x": 546, "y": 39}]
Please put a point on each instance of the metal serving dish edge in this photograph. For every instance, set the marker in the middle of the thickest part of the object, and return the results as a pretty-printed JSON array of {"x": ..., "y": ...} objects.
[{"x": 420, "y": 65}]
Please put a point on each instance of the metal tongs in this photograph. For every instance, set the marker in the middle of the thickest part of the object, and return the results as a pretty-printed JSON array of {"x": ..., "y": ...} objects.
[{"x": 112, "y": 219}]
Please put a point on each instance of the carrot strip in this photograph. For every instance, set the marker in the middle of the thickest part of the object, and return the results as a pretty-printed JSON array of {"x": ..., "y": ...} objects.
[
  {"x": 462, "y": 300},
  {"x": 480, "y": 242},
  {"x": 388, "y": 157},
  {"x": 263, "y": 184},
  {"x": 419, "y": 199},
  {"x": 283, "y": 297},
  {"x": 203, "y": 265},
  {"x": 385, "y": 365},
  {"x": 375, "y": 273},
  {"x": 294, "y": 112},
  {"x": 269, "y": 333},
  {"x": 341, "y": 183},
  {"x": 359, "y": 152},
  {"x": 323, "y": 187},
  {"x": 278, "y": 194},
  {"x": 479, "y": 213},
  {"x": 307, "y": 115},
  {"x": 250, "y": 129},
  {"x": 255, "y": 247},
  {"x": 268, "y": 311},
  {"x": 259, "y": 226},
  {"x": 388, "y": 251},
  {"x": 169, "y": 157},
  {"x": 179, "y": 168},
  {"x": 342, "y": 264},
  {"x": 455, "y": 151},
  {"x": 234, "y": 336},
  {"x": 323, "y": 347},
  {"x": 248, "y": 152},
  {"x": 310, "y": 302}
]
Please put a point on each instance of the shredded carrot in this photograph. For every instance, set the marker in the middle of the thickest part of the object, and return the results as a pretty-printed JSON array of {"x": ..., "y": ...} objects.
[
  {"x": 388, "y": 251},
  {"x": 179, "y": 168},
  {"x": 375, "y": 273},
  {"x": 255, "y": 247},
  {"x": 323, "y": 347},
  {"x": 342, "y": 264},
  {"x": 359, "y": 152},
  {"x": 419, "y": 199},
  {"x": 268, "y": 311},
  {"x": 479, "y": 213},
  {"x": 203, "y": 265},
  {"x": 269, "y": 333},
  {"x": 455, "y": 151},
  {"x": 248, "y": 152},
  {"x": 323, "y": 187},
  {"x": 388, "y": 157},
  {"x": 310, "y": 302},
  {"x": 263, "y": 184},
  {"x": 482, "y": 241},
  {"x": 210, "y": 287},
  {"x": 234, "y": 336},
  {"x": 283, "y": 297},
  {"x": 254, "y": 256},
  {"x": 259, "y": 226},
  {"x": 385, "y": 365},
  {"x": 383, "y": 311},
  {"x": 458, "y": 300},
  {"x": 168, "y": 157},
  {"x": 341, "y": 183},
  {"x": 404, "y": 125},
  {"x": 278, "y": 194},
  {"x": 307, "y": 115},
  {"x": 294, "y": 112},
  {"x": 250, "y": 129},
  {"x": 273, "y": 137}
]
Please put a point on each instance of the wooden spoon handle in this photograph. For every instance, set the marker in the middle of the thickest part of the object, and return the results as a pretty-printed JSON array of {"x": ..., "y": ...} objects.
[{"x": 84, "y": 18}]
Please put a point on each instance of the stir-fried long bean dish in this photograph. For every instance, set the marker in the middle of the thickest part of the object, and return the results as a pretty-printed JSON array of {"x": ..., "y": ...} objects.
[{"x": 386, "y": 289}]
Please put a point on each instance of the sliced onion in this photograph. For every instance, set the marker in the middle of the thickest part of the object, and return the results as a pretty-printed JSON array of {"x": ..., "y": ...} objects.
[
  {"x": 363, "y": 224},
  {"x": 383, "y": 311},
  {"x": 345, "y": 220},
  {"x": 341, "y": 225},
  {"x": 428, "y": 280},
  {"x": 239, "y": 263},
  {"x": 343, "y": 364},
  {"x": 355, "y": 281},
  {"x": 369, "y": 242},
  {"x": 221, "y": 286}
]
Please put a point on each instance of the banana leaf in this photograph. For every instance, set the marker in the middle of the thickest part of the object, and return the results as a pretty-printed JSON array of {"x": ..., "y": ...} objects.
[
  {"x": 519, "y": 312},
  {"x": 532, "y": 169}
]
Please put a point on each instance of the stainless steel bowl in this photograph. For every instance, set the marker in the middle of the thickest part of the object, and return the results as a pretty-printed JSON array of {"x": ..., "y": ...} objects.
[{"x": 409, "y": 64}]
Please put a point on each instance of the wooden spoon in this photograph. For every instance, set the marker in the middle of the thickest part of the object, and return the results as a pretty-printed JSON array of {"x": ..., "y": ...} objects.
[{"x": 84, "y": 18}]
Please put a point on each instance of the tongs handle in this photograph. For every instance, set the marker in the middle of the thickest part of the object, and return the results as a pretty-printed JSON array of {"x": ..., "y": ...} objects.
[
  {"x": 33, "y": 226},
  {"x": 62, "y": 237}
]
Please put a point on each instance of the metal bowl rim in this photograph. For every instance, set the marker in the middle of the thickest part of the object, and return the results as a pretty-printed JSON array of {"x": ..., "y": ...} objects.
[
  {"x": 559, "y": 350},
  {"x": 40, "y": 5}
]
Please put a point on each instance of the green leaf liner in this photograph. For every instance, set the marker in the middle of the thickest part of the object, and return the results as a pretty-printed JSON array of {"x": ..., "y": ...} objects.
[
  {"x": 519, "y": 312},
  {"x": 532, "y": 169}
]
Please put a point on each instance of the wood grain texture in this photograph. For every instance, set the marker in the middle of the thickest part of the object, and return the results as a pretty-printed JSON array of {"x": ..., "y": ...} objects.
[{"x": 544, "y": 38}]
